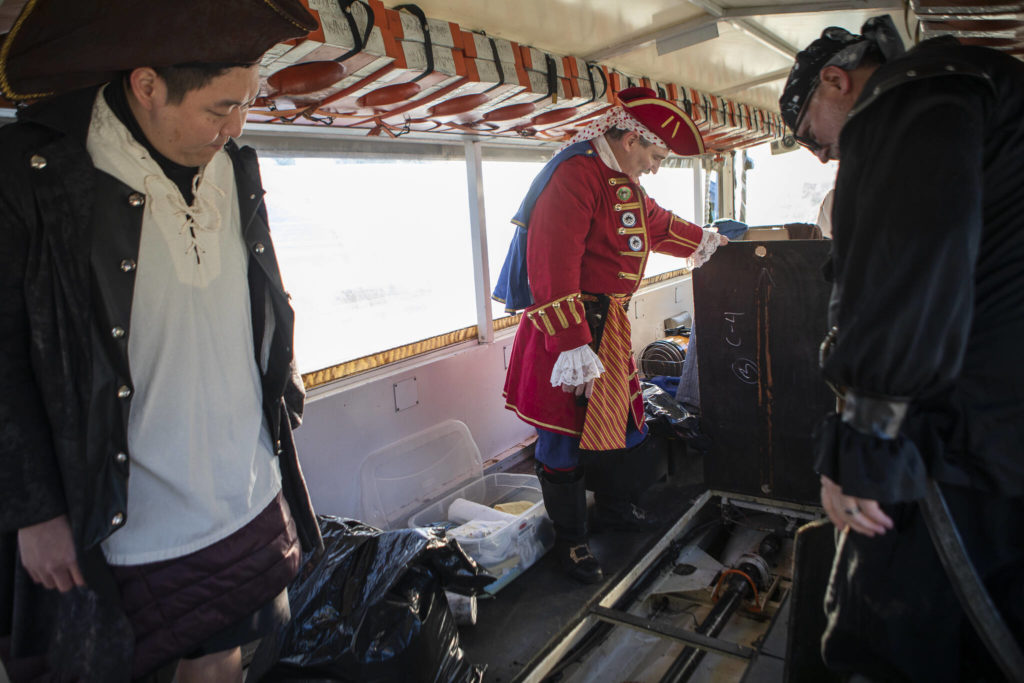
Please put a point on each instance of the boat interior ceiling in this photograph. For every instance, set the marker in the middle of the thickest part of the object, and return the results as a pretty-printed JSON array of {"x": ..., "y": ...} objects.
[{"x": 536, "y": 70}]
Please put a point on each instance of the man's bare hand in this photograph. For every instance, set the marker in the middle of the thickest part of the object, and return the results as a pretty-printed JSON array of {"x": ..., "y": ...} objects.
[
  {"x": 585, "y": 389},
  {"x": 860, "y": 514},
  {"x": 48, "y": 554}
]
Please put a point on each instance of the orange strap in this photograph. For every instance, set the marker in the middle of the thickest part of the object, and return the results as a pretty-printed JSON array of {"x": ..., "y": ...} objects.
[{"x": 753, "y": 586}]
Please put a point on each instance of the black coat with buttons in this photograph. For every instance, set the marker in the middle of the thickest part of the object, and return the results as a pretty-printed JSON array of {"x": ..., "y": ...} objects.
[
  {"x": 69, "y": 241},
  {"x": 928, "y": 264}
]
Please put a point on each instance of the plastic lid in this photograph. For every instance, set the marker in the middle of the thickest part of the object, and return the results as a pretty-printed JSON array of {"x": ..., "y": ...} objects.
[{"x": 405, "y": 476}]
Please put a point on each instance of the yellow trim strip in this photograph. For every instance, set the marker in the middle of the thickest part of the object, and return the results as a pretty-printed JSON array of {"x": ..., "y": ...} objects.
[
  {"x": 508, "y": 321},
  {"x": 573, "y": 303},
  {"x": 542, "y": 425},
  {"x": 629, "y": 276},
  {"x": 627, "y": 207},
  {"x": 561, "y": 316},
  {"x": 647, "y": 246},
  {"x": 547, "y": 323},
  {"x": 569, "y": 300},
  {"x": 684, "y": 243},
  {"x": 618, "y": 181},
  {"x": 376, "y": 360},
  {"x": 662, "y": 277},
  {"x": 637, "y": 254},
  {"x": 5, "y": 85},
  {"x": 373, "y": 361}
]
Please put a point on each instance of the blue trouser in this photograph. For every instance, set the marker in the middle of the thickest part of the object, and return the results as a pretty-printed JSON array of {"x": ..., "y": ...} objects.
[{"x": 562, "y": 452}]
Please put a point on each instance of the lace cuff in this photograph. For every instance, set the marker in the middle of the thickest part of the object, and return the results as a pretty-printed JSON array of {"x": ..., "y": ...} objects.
[
  {"x": 709, "y": 242},
  {"x": 866, "y": 466},
  {"x": 576, "y": 366}
]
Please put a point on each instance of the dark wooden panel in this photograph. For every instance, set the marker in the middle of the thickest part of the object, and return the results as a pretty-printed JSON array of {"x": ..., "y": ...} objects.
[{"x": 760, "y": 315}]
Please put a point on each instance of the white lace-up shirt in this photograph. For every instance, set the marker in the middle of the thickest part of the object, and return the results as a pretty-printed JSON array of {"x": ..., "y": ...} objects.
[{"x": 200, "y": 457}]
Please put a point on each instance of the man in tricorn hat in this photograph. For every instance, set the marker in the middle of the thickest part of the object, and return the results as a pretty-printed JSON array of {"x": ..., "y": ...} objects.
[
  {"x": 145, "y": 333},
  {"x": 585, "y": 231},
  {"x": 927, "y": 315}
]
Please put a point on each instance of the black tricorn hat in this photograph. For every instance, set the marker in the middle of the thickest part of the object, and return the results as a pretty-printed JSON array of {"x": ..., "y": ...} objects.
[{"x": 60, "y": 45}]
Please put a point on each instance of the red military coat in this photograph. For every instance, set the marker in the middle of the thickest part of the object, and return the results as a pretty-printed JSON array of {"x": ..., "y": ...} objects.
[{"x": 591, "y": 230}]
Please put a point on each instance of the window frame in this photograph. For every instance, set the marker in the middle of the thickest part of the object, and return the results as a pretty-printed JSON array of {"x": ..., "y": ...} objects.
[{"x": 275, "y": 141}]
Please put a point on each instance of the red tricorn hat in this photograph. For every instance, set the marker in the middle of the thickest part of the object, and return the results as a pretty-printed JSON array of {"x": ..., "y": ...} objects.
[
  {"x": 664, "y": 119},
  {"x": 60, "y": 45}
]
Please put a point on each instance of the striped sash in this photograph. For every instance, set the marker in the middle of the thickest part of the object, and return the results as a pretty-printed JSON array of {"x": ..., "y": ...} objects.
[{"x": 604, "y": 427}]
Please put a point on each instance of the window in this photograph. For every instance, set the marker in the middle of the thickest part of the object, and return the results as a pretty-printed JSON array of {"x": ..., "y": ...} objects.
[
  {"x": 786, "y": 188},
  {"x": 507, "y": 181},
  {"x": 505, "y": 185},
  {"x": 375, "y": 245},
  {"x": 672, "y": 188},
  {"x": 376, "y": 252}
]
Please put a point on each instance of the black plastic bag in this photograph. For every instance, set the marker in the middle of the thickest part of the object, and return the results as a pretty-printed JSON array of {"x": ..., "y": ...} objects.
[
  {"x": 662, "y": 411},
  {"x": 372, "y": 608},
  {"x": 666, "y": 417}
]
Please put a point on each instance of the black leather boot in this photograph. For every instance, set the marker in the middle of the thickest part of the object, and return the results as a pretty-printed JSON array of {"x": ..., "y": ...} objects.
[
  {"x": 565, "y": 499},
  {"x": 618, "y": 478}
]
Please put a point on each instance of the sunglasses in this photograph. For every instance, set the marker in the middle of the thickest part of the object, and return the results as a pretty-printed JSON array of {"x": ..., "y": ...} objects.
[{"x": 808, "y": 142}]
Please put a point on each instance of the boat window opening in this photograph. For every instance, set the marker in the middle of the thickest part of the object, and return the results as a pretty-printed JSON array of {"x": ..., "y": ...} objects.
[
  {"x": 672, "y": 188},
  {"x": 507, "y": 181},
  {"x": 376, "y": 253},
  {"x": 505, "y": 184},
  {"x": 370, "y": 285},
  {"x": 786, "y": 188}
]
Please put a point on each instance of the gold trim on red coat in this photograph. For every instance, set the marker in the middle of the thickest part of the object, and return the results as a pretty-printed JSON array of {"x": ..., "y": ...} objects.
[
  {"x": 543, "y": 314},
  {"x": 542, "y": 425}
]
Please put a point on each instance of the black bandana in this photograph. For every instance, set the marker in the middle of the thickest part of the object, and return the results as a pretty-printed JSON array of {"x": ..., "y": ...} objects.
[{"x": 837, "y": 47}]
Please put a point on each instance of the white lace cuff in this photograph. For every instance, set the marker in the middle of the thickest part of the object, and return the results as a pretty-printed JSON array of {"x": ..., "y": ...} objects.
[
  {"x": 709, "y": 242},
  {"x": 576, "y": 366}
]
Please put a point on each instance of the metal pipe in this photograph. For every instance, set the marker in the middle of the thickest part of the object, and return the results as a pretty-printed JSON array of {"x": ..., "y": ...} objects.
[{"x": 738, "y": 588}]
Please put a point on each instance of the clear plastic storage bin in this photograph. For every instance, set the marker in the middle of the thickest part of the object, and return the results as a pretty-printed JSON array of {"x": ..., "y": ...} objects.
[{"x": 414, "y": 481}]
